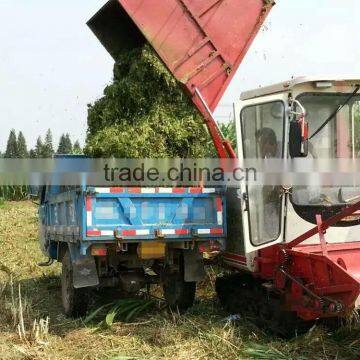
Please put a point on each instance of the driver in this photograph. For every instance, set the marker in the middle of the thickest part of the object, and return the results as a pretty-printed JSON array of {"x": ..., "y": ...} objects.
[{"x": 269, "y": 146}]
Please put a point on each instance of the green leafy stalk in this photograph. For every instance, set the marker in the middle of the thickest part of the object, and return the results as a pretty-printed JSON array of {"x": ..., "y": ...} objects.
[{"x": 145, "y": 114}]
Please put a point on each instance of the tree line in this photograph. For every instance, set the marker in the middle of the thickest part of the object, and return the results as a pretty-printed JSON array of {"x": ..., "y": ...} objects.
[{"x": 16, "y": 147}]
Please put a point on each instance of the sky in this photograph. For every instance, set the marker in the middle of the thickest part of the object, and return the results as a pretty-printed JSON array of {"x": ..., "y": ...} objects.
[{"x": 52, "y": 66}]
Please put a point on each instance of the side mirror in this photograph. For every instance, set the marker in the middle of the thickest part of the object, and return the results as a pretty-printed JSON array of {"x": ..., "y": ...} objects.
[
  {"x": 298, "y": 139},
  {"x": 299, "y": 132}
]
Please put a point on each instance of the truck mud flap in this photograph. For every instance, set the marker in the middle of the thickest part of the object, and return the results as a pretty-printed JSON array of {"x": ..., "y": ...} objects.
[
  {"x": 84, "y": 269},
  {"x": 194, "y": 269}
]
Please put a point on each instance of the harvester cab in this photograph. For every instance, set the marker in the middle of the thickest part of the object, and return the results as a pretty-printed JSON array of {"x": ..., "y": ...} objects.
[
  {"x": 313, "y": 118},
  {"x": 302, "y": 242}
]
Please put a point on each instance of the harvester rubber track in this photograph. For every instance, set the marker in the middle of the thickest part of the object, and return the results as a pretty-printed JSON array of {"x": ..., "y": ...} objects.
[{"x": 239, "y": 293}]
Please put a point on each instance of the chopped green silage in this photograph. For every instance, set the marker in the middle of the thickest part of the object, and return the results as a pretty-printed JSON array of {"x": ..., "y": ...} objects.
[{"x": 145, "y": 114}]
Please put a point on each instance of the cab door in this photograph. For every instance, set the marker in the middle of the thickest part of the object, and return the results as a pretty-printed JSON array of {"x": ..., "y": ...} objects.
[{"x": 261, "y": 126}]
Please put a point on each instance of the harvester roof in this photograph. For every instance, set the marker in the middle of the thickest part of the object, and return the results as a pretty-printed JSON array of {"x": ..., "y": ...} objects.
[{"x": 319, "y": 82}]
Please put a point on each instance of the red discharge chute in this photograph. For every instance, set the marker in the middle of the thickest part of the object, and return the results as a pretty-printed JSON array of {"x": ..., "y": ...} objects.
[{"x": 202, "y": 42}]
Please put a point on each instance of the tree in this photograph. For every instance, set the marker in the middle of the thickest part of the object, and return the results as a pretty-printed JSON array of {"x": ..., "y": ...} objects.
[
  {"x": 11, "y": 147},
  {"x": 48, "y": 149},
  {"x": 61, "y": 147},
  {"x": 39, "y": 148},
  {"x": 77, "y": 150},
  {"x": 32, "y": 154},
  {"x": 15, "y": 147},
  {"x": 68, "y": 144},
  {"x": 22, "y": 151},
  {"x": 65, "y": 145}
]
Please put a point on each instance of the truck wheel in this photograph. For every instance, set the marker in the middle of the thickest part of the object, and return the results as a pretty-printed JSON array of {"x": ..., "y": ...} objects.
[
  {"x": 179, "y": 295},
  {"x": 75, "y": 301}
]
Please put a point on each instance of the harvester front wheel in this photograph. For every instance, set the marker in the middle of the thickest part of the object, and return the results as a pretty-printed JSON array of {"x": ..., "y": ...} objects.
[
  {"x": 241, "y": 293},
  {"x": 75, "y": 301}
]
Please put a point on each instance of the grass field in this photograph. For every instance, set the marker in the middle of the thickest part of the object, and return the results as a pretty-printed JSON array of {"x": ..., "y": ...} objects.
[{"x": 204, "y": 333}]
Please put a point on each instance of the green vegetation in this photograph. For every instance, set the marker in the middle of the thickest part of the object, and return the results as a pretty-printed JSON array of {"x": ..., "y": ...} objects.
[
  {"x": 65, "y": 145},
  {"x": 16, "y": 148},
  {"x": 203, "y": 333},
  {"x": 76, "y": 149},
  {"x": 22, "y": 151},
  {"x": 13, "y": 193},
  {"x": 229, "y": 131},
  {"x": 145, "y": 114},
  {"x": 11, "y": 147},
  {"x": 123, "y": 309},
  {"x": 47, "y": 150}
]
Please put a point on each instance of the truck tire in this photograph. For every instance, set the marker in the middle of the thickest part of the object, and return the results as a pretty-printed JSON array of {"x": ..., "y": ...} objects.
[
  {"x": 75, "y": 301},
  {"x": 179, "y": 294}
]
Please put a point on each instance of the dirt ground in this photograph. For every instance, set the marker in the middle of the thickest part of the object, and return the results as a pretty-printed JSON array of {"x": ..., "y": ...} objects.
[{"x": 29, "y": 294}]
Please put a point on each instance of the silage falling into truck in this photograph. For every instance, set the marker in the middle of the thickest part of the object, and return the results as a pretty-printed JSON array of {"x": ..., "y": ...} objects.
[{"x": 201, "y": 42}]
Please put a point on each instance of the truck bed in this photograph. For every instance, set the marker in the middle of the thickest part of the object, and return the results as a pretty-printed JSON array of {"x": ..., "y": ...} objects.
[
  {"x": 135, "y": 214},
  {"x": 149, "y": 213}
]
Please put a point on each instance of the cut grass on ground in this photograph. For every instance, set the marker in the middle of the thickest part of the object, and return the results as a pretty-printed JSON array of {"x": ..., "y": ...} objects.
[{"x": 204, "y": 333}]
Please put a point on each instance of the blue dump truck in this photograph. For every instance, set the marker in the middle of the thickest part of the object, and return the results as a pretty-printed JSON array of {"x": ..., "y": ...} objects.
[{"x": 130, "y": 238}]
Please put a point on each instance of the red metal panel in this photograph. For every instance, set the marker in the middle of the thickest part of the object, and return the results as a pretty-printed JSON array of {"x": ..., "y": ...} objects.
[
  {"x": 202, "y": 42},
  {"x": 325, "y": 278}
]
